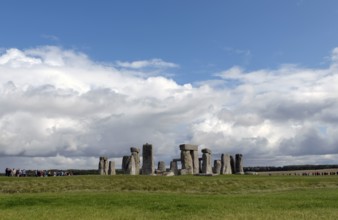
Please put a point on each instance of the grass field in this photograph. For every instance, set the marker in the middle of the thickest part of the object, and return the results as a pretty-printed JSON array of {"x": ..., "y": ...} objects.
[{"x": 179, "y": 197}]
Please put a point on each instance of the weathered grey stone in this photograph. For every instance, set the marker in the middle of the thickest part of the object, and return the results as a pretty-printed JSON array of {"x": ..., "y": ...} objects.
[
  {"x": 134, "y": 149},
  {"x": 195, "y": 161},
  {"x": 173, "y": 166},
  {"x": 188, "y": 147},
  {"x": 206, "y": 150},
  {"x": 125, "y": 163},
  {"x": 161, "y": 166},
  {"x": 170, "y": 173},
  {"x": 189, "y": 158},
  {"x": 239, "y": 164},
  {"x": 148, "y": 167},
  {"x": 106, "y": 166},
  {"x": 200, "y": 162},
  {"x": 128, "y": 165},
  {"x": 217, "y": 167},
  {"x": 206, "y": 166},
  {"x": 103, "y": 166},
  {"x": 232, "y": 164},
  {"x": 136, "y": 158},
  {"x": 131, "y": 168},
  {"x": 111, "y": 170},
  {"x": 184, "y": 172},
  {"x": 187, "y": 163},
  {"x": 226, "y": 164}
]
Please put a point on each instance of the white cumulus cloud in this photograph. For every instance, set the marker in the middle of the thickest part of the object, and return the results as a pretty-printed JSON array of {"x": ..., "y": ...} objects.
[{"x": 58, "y": 107}]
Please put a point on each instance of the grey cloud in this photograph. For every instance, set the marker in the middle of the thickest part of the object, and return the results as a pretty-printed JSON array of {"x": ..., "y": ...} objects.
[
  {"x": 59, "y": 104},
  {"x": 309, "y": 142}
]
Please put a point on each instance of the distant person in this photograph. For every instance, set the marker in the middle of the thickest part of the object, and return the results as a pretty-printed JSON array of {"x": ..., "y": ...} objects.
[
  {"x": 8, "y": 171},
  {"x": 24, "y": 173}
]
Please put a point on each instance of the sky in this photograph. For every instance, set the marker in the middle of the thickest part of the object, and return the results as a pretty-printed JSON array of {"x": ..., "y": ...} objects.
[{"x": 83, "y": 79}]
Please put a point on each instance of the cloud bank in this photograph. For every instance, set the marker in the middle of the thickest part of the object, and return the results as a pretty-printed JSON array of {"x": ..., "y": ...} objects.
[{"x": 60, "y": 109}]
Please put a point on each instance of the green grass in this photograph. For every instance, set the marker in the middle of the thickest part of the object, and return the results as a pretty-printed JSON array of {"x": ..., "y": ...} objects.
[{"x": 182, "y": 197}]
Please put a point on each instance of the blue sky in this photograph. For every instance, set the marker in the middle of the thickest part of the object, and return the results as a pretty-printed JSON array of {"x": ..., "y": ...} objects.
[
  {"x": 202, "y": 37},
  {"x": 82, "y": 79}
]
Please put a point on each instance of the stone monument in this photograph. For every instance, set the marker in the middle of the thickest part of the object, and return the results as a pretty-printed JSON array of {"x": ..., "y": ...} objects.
[
  {"x": 111, "y": 169},
  {"x": 135, "y": 153},
  {"x": 232, "y": 164},
  {"x": 206, "y": 163},
  {"x": 189, "y": 159},
  {"x": 226, "y": 164},
  {"x": 161, "y": 166},
  {"x": 173, "y": 166},
  {"x": 239, "y": 164},
  {"x": 148, "y": 166},
  {"x": 217, "y": 167},
  {"x": 103, "y": 166}
]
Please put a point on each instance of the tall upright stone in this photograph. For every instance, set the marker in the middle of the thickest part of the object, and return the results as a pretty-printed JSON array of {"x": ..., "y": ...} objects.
[
  {"x": 131, "y": 168},
  {"x": 200, "y": 160},
  {"x": 217, "y": 167},
  {"x": 187, "y": 162},
  {"x": 239, "y": 164},
  {"x": 174, "y": 167},
  {"x": 148, "y": 166},
  {"x": 195, "y": 161},
  {"x": 106, "y": 166},
  {"x": 206, "y": 164},
  {"x": 232, "y": 164},
  {"x": 135, "y": 153},
  {"x": 189, "y": 159},
  {"x": 161, "y": 166},
  {"x": 125, "y": 164},
  {"x": 226, "y": 164},
  {"x": 103, "y": 166},
  {"x": 111, "y": 169}
]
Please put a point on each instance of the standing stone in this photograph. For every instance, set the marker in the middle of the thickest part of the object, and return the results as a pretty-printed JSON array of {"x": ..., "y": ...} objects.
[
  {"x": 125, "y": 163},
  {"x": 226, "y": 164},
  {"x": 106, "y": 166},
  {"x": 131, "y": 169},
  {"x": 195, "y": 161},
  {"x": 217, "y": 167},
  {"x": 189, "y": 159},
  {"x": 206, "y": 157},
  {"x": 161, "y": 166},
  {"x": 135, "y": 153},
  {"x": 173, "y": 167},
  {"x": 232, "y": 164},
  {"x": 111, "y": 170},
  {"x": 187, "y": 164},
  {"x": 200, "y": 161},
  {"x": 239, "y": 164},
  {"x": 103, "y": 166},
  {"x": 148, "y": 167},
  {"x": 128, "y": 165}
]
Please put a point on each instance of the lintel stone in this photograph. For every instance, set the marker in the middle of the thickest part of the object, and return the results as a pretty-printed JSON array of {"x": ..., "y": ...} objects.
[
  {"x": 206, "y": 151},
  {"x": 134, "y": 149},
  {"x": 189, "y": 147}
]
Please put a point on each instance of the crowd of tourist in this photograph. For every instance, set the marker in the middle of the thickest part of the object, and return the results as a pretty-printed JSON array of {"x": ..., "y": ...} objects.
[
  {"x": 36, "y": 173},
  {"x": 16, "y": 172}
]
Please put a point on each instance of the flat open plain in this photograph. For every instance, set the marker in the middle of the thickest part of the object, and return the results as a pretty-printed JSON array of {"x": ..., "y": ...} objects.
[{"x": 178, "y": 197}]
